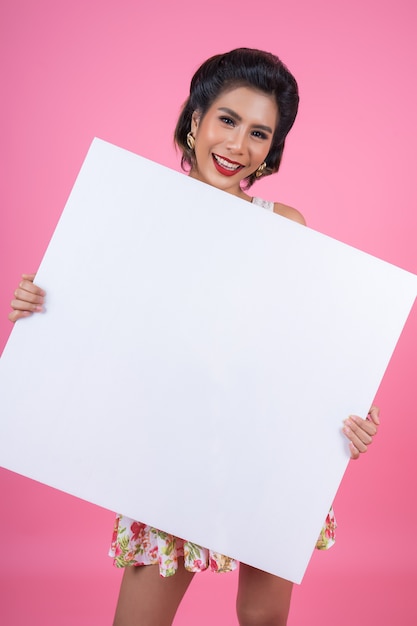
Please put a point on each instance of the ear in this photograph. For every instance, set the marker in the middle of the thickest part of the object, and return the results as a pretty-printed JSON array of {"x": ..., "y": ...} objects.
[{"x": 195, "y": 121}]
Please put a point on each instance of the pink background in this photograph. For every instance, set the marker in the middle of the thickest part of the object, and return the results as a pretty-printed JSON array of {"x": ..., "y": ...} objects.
[{"x": 120, "y": 70}]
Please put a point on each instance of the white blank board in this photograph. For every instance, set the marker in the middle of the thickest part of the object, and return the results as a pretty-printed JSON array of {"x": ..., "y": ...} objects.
[{"x": 196, "y": 359}]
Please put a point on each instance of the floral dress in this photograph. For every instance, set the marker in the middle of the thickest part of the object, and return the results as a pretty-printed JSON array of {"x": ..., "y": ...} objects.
[
  {"x": 134, "y": 543},
  {"x": 137, "y": 544}
]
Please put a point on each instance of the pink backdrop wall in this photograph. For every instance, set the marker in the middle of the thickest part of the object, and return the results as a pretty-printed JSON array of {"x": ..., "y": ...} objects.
[{"x": 72, "y": 70}]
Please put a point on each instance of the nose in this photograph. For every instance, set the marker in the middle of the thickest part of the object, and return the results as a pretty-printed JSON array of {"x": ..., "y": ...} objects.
[{"x": 236, "y": 141}]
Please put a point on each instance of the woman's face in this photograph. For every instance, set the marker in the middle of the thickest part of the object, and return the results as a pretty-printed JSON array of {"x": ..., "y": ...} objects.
[{"x": 233, "y": 138}]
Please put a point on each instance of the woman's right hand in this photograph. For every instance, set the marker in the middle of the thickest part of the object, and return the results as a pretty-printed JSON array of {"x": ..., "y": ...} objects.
[{"x": 28, "y": 299}]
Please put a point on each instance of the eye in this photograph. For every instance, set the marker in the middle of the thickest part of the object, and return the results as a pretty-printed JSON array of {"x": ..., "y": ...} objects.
[
  {"x": 227, "y": 120},
  {"x": 259, "y": 134}
]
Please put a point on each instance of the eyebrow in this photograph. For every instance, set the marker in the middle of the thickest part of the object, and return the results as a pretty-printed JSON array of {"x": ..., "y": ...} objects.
[{"x": 239, "y": 119}]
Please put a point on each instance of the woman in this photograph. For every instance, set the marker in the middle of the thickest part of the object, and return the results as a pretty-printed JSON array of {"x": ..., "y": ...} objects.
[{"x": 231, "y": 132}]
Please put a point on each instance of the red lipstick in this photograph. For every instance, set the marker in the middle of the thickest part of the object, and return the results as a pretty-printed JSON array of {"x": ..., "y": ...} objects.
[{"x": 226, "y": 167}]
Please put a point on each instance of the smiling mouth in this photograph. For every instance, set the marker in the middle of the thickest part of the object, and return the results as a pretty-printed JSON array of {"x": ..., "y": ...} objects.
[{"x": 226, "y": 167}]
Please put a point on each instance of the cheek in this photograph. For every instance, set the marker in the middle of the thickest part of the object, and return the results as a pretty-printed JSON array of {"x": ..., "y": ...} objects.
[
  {"x": 207, "y": 134},
  {"x": 261, "y": 152}
]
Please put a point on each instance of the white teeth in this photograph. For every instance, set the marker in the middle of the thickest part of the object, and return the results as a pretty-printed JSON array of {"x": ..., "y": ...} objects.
[{"x": 226, "y": 164}]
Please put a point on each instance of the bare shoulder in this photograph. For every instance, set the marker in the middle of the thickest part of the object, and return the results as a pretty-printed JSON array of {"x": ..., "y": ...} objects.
[{"x": 289, "y": 212}]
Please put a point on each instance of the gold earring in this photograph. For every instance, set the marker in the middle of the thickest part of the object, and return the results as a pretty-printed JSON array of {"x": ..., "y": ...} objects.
[
  {"x": 260, "y": 171},
  {"x": 190, "y": 141}
]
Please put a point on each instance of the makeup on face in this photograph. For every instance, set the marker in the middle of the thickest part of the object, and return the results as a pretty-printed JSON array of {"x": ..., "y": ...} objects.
[{"x": 233, "y": 137}]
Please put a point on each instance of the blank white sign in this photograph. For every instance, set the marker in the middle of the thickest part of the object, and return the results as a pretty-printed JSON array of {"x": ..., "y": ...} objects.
[{"x": 196, "y": 360}]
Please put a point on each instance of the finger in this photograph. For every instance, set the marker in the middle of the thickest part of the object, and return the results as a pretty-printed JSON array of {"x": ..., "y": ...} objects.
[
  {"x": 28, "y": 285},
  {"x": 374, "y": 414},
  {"x": 359, "y": 439},
  {"x": 17, "y": 315},
  {"x": 27, "y": 297},
  {"x": 354, "y": 452},
  {"x": 20, "y": 306},
  {"x": 361, "y": 426},
  {"x": 355, "y": 443}
]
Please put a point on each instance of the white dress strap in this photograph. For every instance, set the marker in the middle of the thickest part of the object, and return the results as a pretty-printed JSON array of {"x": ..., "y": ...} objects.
[{"x": 265, "y": 204}]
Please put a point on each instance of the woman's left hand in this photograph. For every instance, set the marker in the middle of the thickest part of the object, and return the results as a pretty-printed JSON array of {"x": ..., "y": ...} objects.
[{"x": 361, "y": 432}]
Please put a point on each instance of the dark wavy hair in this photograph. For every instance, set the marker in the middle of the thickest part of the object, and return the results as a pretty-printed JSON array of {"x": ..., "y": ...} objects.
[{"x": 243, "y": 67}]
